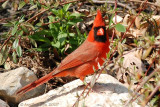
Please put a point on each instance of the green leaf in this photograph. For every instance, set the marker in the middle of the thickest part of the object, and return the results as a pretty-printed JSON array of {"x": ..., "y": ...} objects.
[
  {"x": 44, "y": 45},
  {"x": 54, "y": 11},
  {"x": 62, "y": 50},
  {"x": 14, "y": 57},
  {"x": 51, "y": 18},
  {"x": 38, "y": 24},
  {"x": 21, "y": 19},
  {"x": 56, "y": 4},
  {"x": 40, "y": 49},
  {"x": 40, "y": 38},
  {"x": 4, "y": 55},
  {"x": 152, "y": 38},
  {"x": 73, "y": 41},
  {"x": 111, "y": 21},
  {"x": 57, "y": 44},
  {"x": 124, "y": 41},
  {"x": 33, "y": 42},
  {"x": 19, "y": 33},
  {"x": 15, "y": 43},
  {"x": 21, "y": 4},
  {"x": 14, "y": 30},
  {"x": 154, "y": 100},
  {"x": 72, "y": 34},
  {"x": 45, "y": 7},
  {"x": 77, "y": 20},
  {"x": 119, "y": 27},
  {"x": 9, "y": 24},
  {"x": 135, "y": 41},
  {"x": 62, "y": 38},
  {"x": 66, "y": 7},
  {"x": 14, "y": 22},
  {"x": 19, "y": 51},
  {"x": 60, "y": 15},
  {"x": 5, "y": 3},
  {"x": 108, "y": 55},
  {"x": 71, "y": 23},
  {"x": 33, "y": 7},
  {"x": 24, "y": 29},
  {"x": 121, "y": 60},
  {"x": 62, "y": 35},
  {"x": 76, "y": 14},
  {"x": 29, "y": 25}
]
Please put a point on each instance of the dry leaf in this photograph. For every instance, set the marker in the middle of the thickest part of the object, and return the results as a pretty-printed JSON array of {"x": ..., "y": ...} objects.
[
  {"x": 139, "y": 32},
  {"x": 157, "y": 2},
  {"x": 67, "y": 47},
  {"x": 157, "y": 18},
  {"x": 126, "y": 20},
  {"x": 137, "y": 22},
  {"x": 117, "y": 19},
  {"x": 132, "y": 67},
  {"x": 138, "y": 53},
  {"x": 84, "y": 11},
  {"x": 146, "y": 52}
]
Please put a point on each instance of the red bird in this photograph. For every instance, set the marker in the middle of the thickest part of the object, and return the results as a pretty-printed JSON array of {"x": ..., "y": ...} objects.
[{"x": 81, "y": 61}]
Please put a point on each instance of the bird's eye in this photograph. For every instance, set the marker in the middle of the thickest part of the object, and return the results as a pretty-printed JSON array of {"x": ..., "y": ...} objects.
[{"x": 100, "y": 32}]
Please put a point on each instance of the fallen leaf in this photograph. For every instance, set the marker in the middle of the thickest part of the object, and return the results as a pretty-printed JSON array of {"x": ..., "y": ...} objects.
[
  {"x": 126, "y": 19},
  {"x": 131, "y": 67},
  {"x": 117, "y": 19},
  {"x": 138, "y": 22}
]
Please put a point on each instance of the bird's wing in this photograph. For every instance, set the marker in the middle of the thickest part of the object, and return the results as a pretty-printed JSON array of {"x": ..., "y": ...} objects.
[{"x": 86, "y": 52}]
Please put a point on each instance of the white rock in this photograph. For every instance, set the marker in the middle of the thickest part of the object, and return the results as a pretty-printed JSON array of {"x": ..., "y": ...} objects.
[
  {"x": 3, "y": 104},
  {"x": 13, "y": 80},
  {"x": 107, "y": 92}
]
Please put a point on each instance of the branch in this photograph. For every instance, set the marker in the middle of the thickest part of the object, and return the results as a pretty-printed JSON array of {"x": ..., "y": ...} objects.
[
  {"x": 146, "y": 3},
  {"x": 142, "y": 84},
  {"x": 29, "y": 20},
  {"x": 151, "y": 95},
  {"x": 6, "y": 41},
  {"x": 113, "y": 2}
]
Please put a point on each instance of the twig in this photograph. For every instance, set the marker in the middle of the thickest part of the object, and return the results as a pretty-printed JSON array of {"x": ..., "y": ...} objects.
[
  {"x": 29, "y": 20},
  {"x": 2, "y": 1},
  {"x": 141, "y": 85},
  {"x": 48, "y": 9},
  {"x": 115, "y": 7},
  {"x": 81, "y": 94},
  {"x": 138, "y": 89},
  {"x": 143, "y": 1},
  {"x": 44, "y": 24},
  {"x": 6, "y": 41},
  {"x": 151, "y": 95},
  {"x": 113, "y": 2},
  {"x": 70, "y": 2},
  {"x": 141, "y": 9},
  {"x": 151, "y": 63}
]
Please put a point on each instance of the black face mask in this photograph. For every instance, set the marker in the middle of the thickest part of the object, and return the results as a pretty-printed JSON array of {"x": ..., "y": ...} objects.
[{"x": 100, "y": 38}]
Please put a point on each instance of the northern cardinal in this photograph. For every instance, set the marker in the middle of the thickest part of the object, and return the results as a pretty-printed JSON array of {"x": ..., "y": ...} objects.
[{"x": 81, "y": 61}]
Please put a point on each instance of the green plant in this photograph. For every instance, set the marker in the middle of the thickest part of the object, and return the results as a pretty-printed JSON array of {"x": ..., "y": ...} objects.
[
  {"x": 60, "y": 35},
  {"x": 13, "y": 48}
]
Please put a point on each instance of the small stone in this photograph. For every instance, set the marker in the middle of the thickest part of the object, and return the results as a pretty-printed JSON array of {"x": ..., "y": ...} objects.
[
  {"x": 3, "y": 104},
  {"x": 12, "y": 81}
]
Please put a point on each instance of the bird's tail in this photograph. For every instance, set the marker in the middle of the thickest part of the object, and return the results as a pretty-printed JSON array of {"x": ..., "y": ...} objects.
[{"x": 35, "y": 83}]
